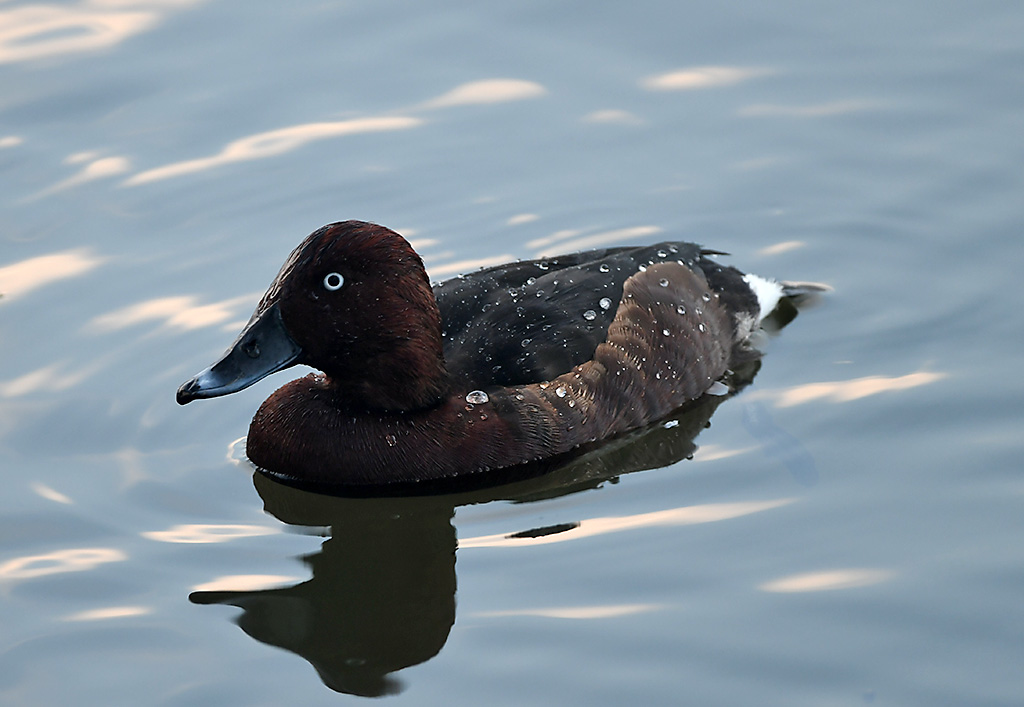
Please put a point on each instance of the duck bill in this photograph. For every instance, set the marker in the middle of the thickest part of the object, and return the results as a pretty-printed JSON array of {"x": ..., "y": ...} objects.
[{"x": 263, "y": 347}]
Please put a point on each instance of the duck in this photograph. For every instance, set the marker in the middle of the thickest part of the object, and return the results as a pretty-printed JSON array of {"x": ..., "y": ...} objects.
[{"x": 509, "y": 365}]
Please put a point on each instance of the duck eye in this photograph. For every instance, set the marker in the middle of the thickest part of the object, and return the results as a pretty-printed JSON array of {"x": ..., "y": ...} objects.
[{"x": 334, "y": 281}]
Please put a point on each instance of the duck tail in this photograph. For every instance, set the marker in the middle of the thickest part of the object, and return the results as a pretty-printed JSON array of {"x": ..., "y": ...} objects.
[
  {"x": 796, "y": 289},
  {"x": 800, "y": 293},
  {"x": 768, "y": 293}
]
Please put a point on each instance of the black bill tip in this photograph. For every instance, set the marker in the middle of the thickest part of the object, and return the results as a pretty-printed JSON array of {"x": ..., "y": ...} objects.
[{"x": 262, "y": 348}]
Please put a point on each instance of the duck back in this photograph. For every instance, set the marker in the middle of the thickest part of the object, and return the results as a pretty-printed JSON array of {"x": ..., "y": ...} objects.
[{"x": 534, "y": 320}]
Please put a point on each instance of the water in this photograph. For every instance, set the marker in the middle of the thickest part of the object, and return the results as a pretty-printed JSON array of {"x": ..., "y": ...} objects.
[{"x": 848, "y": 530}]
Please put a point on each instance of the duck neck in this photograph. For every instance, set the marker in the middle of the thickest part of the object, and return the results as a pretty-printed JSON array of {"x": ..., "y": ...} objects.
[
  {"x": 401, "y": 369},
  {"x": 411, "y": 376}
]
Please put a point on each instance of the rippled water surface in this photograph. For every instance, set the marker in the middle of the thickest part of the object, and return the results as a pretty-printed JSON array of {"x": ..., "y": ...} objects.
[{"x": 847, "y": 531}]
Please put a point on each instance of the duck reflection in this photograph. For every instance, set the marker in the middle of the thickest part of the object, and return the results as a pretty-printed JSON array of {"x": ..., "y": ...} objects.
[{"x": 382, "y": 594}]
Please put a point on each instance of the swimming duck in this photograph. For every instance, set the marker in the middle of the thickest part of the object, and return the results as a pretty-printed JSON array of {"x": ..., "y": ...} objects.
[{"x": 505, "y": 366}]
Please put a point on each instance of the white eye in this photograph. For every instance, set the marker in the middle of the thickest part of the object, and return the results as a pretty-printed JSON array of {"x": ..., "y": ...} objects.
[{"x": 334, "y": 281}]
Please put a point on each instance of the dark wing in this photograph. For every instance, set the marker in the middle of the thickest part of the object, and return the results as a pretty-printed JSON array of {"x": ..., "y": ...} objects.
[{"x": 534, "y": 320}]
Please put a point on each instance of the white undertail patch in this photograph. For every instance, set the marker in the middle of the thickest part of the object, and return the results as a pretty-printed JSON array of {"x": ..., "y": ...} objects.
[{"x": 768, "y": 293}]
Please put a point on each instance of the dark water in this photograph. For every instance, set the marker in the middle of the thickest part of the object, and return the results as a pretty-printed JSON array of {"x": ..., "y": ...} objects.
[{"x": 849, "y": 529}]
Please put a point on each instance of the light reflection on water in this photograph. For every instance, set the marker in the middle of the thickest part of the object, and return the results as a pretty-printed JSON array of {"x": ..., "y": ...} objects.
[
  {"x": 845, "y": 391},
  {"x": 688, "y": 515},
  {"x": 571, "y": 240},
  {"x": 57, "y": 562},
  {"x": 51, "y": 493},
  {"x": 37, "y": 31},
  {"x": 98, "y": 168},
  {"x": 182, "y": 313},
  {"x": 108, "y": 613},
  {"x": 207, "y": 533},
  {"x": 828, "y": 580},
  {"x": 487, "y": 91},
  {"x": 284, "y": 140},
  {"x": 575, "y": 612},
  {"x": 272, "y": 144},
  {"x": 244, "y": 583},
  {"x": 702, "y": 77},
  {"x": 18, "y": 279}
]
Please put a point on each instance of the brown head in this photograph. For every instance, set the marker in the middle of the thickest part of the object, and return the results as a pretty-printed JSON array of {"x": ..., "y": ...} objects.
[{"x": 354, "y": 301}]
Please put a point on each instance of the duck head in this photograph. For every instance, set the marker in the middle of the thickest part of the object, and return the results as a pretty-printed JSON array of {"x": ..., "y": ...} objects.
[{"x": 353, "y": 300}]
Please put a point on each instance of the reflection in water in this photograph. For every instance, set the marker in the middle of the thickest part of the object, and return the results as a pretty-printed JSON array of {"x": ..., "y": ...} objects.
[
  {"x": 845, "y": 391},
  {"x": 283, "y": 140},
  {"x": 825, "y": 581},
  {"x": 273, "y": 143},
  {"x": 576, "y": 612},
  {"x": 110, "y": 612},
  {"x": 487, "y": 91},
  {"x": 782, "y": 247},
  {"x": 98, "y": 168},
  {"x": 76, "y": 560},
  {"x": 206, "y": 533},
  {"x": 459, "y": 266},
  {"x": 687, "y": 515},
  {"x": 181, "y": 313},
  {"x": 613, "y": 116},
  {"x": 382, "y": 593},
  {"x": 567, "y": 241},
  {"x": 40, "y": 31},
  {"x": 50, "y": 494},
  {"x": 715, "y": 452},
  {"x": 52, "y": 379},
  {"x": 520, "y": 219},
  {"x": 22, "y": 277},
  {"x": 702, "y": 77},
  {"x": 245, "y": 582}
]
